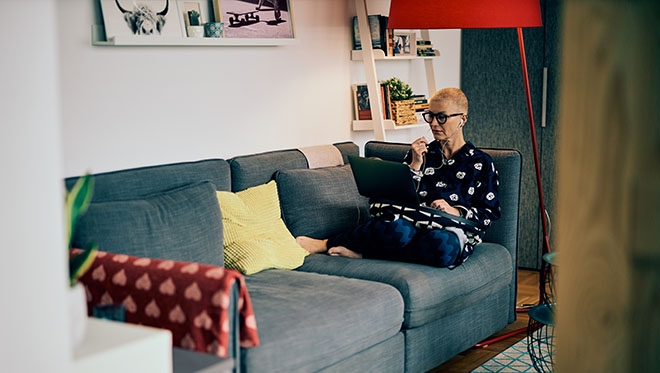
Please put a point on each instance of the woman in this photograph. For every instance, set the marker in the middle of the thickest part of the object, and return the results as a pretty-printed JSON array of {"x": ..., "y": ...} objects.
[{"x": 451, "y": 176}]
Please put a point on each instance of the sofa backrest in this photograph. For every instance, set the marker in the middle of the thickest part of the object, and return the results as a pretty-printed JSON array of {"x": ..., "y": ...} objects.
[
  {"x": 508, "y": 163},
  {"x": 135, "y": 183},
  {"x": 256, "y": 169},
  {"x": 167, "y": 211}
]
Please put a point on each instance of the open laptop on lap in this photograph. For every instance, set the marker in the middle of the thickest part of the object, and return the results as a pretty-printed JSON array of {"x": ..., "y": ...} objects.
[{"x": 391, "y": 182}]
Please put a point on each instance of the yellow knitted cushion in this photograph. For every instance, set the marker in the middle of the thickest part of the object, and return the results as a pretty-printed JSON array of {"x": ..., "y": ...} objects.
[{"x": 255, "y": 237}]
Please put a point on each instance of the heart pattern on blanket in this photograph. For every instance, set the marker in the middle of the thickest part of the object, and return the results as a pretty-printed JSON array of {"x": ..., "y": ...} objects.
[
  {"x": 177, "y": 315},
  {"x": 203, "y": 321},
  {"x": 130, "y": 305},
  {"x": 143, "y": 283},
  {"x": 119, "y": 278},
  {"x": 152, "y": 309},
  {"x": 99, "y": 273},
  {"x": 167, "y": 287},
  {"x": 193, "y": 292},
  {"x": 215, "y": 273},
  {"x": 142, "y": 262},
  {"x": 166, "y": 265},
  {"x": 191, "y": 268}
]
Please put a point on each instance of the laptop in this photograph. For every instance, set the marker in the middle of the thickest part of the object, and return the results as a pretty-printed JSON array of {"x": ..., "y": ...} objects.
[
  {"x": 391, "y": 182},
  {"x": 383, "y": 180}
]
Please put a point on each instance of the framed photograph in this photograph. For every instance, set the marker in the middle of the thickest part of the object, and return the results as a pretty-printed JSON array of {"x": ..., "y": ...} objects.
[
  {"x": 255, "y": 19},
  {"x": 362, "y": 105},
  {"x": 405, "y": 43},
  {"x": 147, "y": 18}
]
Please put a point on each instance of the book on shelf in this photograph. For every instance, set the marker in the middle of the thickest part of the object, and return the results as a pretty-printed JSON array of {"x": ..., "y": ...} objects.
[
  {"x": 389, "y": 42},
  {"x": 362, "y": 103},
  {"x": 420, "y": 102},
  {"x": 425, "y": 48},
  {"x": 378, "y": 28}
]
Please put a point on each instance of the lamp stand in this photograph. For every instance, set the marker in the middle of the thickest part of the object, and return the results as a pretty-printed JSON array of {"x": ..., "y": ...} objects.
[
  {"x": 539, "y": 184},
  {"x": 537, "y": 163}
]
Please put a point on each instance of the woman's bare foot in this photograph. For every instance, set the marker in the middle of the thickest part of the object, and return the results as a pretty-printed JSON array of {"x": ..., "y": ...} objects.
[
  {"x": 312, "y": 245},
  {"x": 342, "y": 251}
]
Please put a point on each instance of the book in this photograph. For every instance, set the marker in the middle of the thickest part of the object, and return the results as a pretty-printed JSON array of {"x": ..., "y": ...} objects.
[
  {"x": 389, "y": 42},
  {"x": 378, "y": 28},
  {"x": 425, "y": 52},
  {"x": 362, "y": 103}
]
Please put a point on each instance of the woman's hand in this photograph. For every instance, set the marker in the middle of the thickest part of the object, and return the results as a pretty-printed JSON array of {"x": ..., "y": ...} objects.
[
  {"x": 419, "y": 148},
  {"x": 442, "y": 205}
]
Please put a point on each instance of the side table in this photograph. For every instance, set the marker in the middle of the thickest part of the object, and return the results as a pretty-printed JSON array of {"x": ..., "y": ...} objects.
[{"x": 111, "y": 347}]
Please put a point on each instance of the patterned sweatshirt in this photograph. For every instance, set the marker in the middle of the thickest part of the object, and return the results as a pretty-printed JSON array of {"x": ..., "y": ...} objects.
[{"x": 467, "y": 181}]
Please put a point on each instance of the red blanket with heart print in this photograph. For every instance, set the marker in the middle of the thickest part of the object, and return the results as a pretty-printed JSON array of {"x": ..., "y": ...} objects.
[{"x": 189, "y": 299}]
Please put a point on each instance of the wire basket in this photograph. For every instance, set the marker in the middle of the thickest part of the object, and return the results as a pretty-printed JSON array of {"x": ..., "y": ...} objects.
[{"x": 540, "y": 337}]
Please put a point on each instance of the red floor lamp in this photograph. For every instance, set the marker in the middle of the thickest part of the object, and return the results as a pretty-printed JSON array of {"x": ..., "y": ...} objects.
[{"x": 461, "y": 14}]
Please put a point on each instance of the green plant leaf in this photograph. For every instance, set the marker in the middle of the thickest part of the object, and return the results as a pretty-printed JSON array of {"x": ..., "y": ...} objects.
[
  {"x": 80, "y": 263},
  {"x": 77, "y": 202}
]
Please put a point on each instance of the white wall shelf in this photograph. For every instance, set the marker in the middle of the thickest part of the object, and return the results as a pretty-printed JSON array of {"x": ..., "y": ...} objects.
[
  {"x": 379, "y": 54},
  {"x": 368, "y": 56},
  {"x": 99, "y": 39}
]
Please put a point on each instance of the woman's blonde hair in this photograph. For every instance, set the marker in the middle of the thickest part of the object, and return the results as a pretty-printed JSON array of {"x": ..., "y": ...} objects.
[{"x": 453, "y": 95}]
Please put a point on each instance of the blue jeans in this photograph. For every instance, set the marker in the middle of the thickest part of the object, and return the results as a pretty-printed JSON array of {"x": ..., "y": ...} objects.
[{"x": 399, "y": 240}]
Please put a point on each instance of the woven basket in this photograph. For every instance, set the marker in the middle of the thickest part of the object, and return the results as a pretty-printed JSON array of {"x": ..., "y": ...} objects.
[{"x": 403, "y": 112}]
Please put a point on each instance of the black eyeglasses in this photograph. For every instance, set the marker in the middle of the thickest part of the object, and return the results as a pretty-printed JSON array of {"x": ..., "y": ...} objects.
[{"x": 440, "y": 117}]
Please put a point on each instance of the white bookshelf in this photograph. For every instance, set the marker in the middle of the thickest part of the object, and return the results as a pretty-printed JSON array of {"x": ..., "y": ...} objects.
[{"x": 369, "y": 56}]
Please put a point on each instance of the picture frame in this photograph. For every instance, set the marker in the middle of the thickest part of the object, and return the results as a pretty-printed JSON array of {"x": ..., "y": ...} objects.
[
  {"x": 362, "y": 104},
  {"x": 122, "y": 18},
  {"x": 269, "y": 19},
  {"x": 405, "y": 43}
]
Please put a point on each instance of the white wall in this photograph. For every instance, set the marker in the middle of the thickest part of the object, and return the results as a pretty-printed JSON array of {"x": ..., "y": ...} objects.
[
  {"x": 67, "y": 107},
  {"x": 133, "y": 106},
  {"x": 33, "y": 280}
]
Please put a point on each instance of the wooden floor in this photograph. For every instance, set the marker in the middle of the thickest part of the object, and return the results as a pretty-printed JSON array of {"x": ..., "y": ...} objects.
[{"x": 528, "y": 294}]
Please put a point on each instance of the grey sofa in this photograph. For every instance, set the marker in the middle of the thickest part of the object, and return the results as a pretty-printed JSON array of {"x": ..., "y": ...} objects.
[{"x": 332, "y": 314}]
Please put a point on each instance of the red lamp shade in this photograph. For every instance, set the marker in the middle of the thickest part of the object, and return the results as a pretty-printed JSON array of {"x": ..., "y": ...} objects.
[{"x": 458, "y": 14}]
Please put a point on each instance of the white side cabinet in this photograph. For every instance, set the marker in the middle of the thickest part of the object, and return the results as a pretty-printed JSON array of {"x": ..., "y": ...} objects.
[{"x": 114, "y": 347}]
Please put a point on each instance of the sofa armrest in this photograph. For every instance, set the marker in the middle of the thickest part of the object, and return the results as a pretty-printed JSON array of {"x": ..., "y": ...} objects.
[{"x": 191, "y": 300}]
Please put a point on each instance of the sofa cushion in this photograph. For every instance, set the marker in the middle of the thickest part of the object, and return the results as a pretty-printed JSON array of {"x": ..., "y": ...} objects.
[
  {"x": 308, "y": 321},
  {"x": 320, "y": 202},
  {"x": 183, "y": 224},
  {"x": 429, "y": 293},
  {"x": 255, "y": 236}
]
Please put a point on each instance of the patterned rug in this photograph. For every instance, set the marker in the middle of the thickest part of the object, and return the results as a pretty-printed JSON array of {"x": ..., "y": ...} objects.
[{"x": 514, "y": 359}]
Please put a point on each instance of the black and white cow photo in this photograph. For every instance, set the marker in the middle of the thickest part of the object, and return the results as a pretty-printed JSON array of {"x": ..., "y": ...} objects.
[{"x": 141, "y": 17}]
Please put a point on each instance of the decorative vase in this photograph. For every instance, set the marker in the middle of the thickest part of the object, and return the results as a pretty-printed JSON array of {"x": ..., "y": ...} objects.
[
  {"x": 77, "y": 313},
  {"x": 213, "y": 29},
  {"x": 403, "y": 112},
  {"x": 195, "y": 31}
]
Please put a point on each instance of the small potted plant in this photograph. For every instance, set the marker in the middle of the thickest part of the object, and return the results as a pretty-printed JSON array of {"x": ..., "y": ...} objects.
[
  {"x": 403, "y": 107},
  {"x": 76, "y": 204},
  {"x": 195, "y": 27}
]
